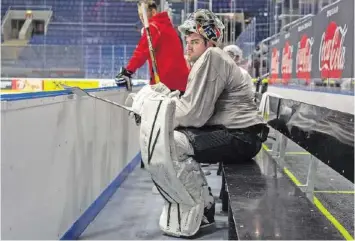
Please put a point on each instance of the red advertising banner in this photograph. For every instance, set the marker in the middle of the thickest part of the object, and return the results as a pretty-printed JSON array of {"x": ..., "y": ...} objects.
[
  {"x": 274, "y": 56},
  {"x": 287, "y": 58},
  {"x": 321, "y": 47},
  {"x": 334, "y": 39},
  {"x": 305, "y": 50}
]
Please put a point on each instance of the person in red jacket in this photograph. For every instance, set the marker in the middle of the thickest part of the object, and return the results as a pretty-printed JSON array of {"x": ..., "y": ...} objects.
[{"x": 168, "y": 50}]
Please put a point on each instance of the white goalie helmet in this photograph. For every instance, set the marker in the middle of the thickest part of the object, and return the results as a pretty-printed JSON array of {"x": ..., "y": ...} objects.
[
  {"x": 206, "y": 23},
  {"x": 234, "y": 51}
]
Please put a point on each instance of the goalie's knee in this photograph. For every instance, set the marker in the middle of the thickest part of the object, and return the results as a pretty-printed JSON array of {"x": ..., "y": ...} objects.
[{"x": 183, "y": 147}]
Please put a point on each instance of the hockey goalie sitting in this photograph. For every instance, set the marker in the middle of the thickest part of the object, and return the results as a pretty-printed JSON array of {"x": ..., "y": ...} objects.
[{"x": 214, "y": 121}]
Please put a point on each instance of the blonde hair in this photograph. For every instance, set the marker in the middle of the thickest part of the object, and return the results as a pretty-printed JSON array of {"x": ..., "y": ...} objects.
[{"x": 150, "y": 5}]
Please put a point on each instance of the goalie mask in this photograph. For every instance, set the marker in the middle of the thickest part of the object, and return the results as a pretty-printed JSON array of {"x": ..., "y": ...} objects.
[{"x": 205, "y": 23}]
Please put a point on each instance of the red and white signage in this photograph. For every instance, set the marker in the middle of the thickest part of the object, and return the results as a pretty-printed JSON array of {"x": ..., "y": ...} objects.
[{"x": 332, "y": 51}]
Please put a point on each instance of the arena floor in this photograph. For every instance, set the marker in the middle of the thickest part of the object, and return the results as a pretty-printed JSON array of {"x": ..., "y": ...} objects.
[{"x": 334, "y": 195}]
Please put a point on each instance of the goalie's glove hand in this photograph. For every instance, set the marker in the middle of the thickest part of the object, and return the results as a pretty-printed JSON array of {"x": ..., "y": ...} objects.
[
  {"x": 137, "y": 118},
  {"x": 124, "y": 79}
]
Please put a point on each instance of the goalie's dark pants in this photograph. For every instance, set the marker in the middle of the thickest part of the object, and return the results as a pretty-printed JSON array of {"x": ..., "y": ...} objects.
[{"x": 213, "y": 144}]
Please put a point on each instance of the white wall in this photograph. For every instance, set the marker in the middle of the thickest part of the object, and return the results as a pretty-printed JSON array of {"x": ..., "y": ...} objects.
[
  {"x": 344, "y": 103},
  {"x": 58, "y": 154},
  {"x": 26, "y": 30},
  {"x": 37, "y": 14}
]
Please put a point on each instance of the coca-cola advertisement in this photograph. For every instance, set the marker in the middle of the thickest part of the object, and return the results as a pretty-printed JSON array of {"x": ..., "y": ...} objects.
[
  {"x": 334, "y": 42},
  {"x": 316, "y": 49},
  {"x": 287, "y": 58},
  {"x": 304, "y": 52},
  {"x": 275, "y": 56}
]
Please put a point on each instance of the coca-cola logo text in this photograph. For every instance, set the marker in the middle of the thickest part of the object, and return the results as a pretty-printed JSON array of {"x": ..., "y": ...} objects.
[
  {"x": 304, "y": 58},
  {"x": 286, "y": 68},
  {"x": 275, "y": 63},
  {"x": 332, "y": 51}
]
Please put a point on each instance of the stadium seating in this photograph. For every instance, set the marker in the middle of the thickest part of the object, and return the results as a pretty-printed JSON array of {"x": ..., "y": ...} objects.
[
  {"x": 78, "y": 34},
  {"x": 87, "y": 11},
  {"x": 99, "y": 28},
  {"x": 93, "y": 30}
]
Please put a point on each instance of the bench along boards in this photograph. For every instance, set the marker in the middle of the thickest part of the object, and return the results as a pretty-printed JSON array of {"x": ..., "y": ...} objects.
[
  {"x": 326, "y": 134},
  {"x": 264, "y": 204}
]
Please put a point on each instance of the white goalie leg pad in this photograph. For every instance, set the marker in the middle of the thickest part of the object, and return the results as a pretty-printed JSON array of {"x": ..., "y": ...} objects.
[
  {"x": 189, "y": 171},
  {"x": 192, "y": 177},
  {"x": 136, "y": 100},
  {"x": 184, "y": 221},
  {"x": 156, "y": 150},
  {"x": 189, "y": 218},
  {"x": 181, "y": 183}
]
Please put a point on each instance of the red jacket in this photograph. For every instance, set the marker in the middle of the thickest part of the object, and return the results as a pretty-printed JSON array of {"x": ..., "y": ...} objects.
[{"x": 169, "y": 54}]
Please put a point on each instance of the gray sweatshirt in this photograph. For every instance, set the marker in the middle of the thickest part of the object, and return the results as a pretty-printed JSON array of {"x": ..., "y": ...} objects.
[{"x": 217, "y": 94}]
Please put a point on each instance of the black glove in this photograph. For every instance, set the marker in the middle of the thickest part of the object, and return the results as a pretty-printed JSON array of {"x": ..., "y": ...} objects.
[
  {"x": 137, "y": 118},
  {"x": 123, "y": 79}
]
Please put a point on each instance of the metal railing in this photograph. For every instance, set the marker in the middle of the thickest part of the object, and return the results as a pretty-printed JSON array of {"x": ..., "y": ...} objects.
[
  {"x": 29, "y": 7},
  {"x": 246, "y": 41},
  {"x": 193, "y": 5}
]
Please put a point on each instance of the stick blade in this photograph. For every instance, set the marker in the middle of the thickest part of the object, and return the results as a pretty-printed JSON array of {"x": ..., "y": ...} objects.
[{"x": 75, "y": 90}]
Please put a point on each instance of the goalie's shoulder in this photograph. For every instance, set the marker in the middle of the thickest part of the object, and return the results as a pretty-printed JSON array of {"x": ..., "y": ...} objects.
[{"x": 213, "y": 53}]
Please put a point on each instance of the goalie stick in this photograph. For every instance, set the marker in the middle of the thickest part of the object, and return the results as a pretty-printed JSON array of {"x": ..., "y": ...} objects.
[
  {"x": 80, "y": 92},
  {"x": 149, "y": 38}
]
